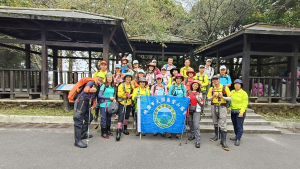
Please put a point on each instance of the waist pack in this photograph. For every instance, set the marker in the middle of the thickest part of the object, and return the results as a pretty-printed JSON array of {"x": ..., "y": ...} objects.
[
  {"x": 235, "y": 111},
  {"x": 113, "y": 108}
]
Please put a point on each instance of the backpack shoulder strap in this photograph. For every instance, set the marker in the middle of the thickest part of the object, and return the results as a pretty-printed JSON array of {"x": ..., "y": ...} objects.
[
  {"x": 138, "y": 91},
  {"x": 190, "y": 92},
  {"x": 186, "y": 80},
  {"x": 154, "y": 88}
]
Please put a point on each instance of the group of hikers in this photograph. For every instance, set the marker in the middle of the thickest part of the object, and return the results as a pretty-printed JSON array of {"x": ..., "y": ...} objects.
[{"x": 128, "y": 83}]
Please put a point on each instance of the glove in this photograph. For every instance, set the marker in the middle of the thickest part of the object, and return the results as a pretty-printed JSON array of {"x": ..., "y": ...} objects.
[{"x": 127, "y": 95}]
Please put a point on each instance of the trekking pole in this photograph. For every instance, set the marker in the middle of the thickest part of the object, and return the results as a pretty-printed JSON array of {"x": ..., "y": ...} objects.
[
  {"x": 88, "y": 132},
  {"x": 124, "y": 112},
  {"x": 183, "y": 129},
  {"x": 218, "y": 119}
]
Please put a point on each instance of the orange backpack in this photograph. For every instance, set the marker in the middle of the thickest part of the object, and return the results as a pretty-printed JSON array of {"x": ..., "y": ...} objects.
[{"x": 79, "y": 86}]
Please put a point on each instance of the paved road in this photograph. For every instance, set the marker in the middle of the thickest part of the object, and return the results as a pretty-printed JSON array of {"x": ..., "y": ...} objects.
[{"x": 34, "y": 147}]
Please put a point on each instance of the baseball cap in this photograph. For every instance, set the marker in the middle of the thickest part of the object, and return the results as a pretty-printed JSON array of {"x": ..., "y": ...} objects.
[
  {"x": 103, "y": 63},
  {"x": 202, "y": 66},
  {"x": 223, "y": 67}
]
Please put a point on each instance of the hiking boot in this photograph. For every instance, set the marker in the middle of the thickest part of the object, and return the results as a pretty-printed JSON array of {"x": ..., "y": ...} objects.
[
  {"x": 163, "y": 134},
  {"x": 103, "y": 132},
  {"x": 169, "y": 135},
  {"x": 233, "y": 138},
  {"x": 84, "y": 130},
  {"x": 137, "y": 134},
  {"x": 223, "y": 141},
  {"x": 177, "y": 135},
  {"x": 191, "y": 138},
  {"x": 118, "y": 134},
  {"x": 143, "y": 134},
  {"x": 108, "y": 131},
  {"x": 237, "y": 142},
  {"x": 116, "y": 117},
  {"x": 96, "y": 114},
  {"x": 125, "y": 130},
  {"x": 197, "y": 145},
  {"x": 216, "y": 135},
  {"x": 78, "y": 142},
  {"x": 155, "y": 134}
]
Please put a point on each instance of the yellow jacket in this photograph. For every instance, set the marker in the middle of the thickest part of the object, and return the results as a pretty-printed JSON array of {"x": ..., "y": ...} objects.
[
  {"x": 171, "y": 81},
  {"x": 239, "y": 100},
  {"x": 104, "y": 72},
  {"x": 184, "y": 70},
  {"x": 219, "y": 90},
  {"x": 204, "y": 82},
  {"x": 143, "y": 92},
  {"x": 122, "y": 94}
]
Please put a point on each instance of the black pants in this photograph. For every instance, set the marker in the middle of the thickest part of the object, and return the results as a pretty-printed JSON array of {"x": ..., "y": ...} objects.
[
  {"x": 121, "y": 113},
  {"x": 81, "y": 112}
]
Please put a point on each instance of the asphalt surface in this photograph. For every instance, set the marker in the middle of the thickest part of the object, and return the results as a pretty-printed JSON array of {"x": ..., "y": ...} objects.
[{"x": 33, "y": 147}]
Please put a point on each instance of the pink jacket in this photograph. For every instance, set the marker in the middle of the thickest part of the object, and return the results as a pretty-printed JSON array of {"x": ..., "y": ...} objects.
[{"x": 154, "y": 93}]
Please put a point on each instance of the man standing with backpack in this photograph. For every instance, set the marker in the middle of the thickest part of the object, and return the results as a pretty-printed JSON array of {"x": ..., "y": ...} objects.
[
  {"x": 224, "y": 78},
  {"x": 85, "y": 101},
  {"x": 218, "y": 95},
  {"x": 186, "y": 68}
]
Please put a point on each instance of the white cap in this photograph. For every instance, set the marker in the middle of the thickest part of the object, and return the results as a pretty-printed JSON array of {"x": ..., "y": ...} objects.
[
  {"x": 223, "y": 67},
  {"x": 154, "y": 61},
  {"x": 208, "y": 60},
  {"x": 135, "y": 61},
  {"x": 202, "y": 66}
]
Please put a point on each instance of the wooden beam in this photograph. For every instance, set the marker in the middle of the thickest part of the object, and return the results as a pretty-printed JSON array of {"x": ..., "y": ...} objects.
[
  {"x": 112, "y": 34},
  {"x": 52, "y": 43},
  {"x": 225, "y": 47},
  {"x": 156, "y": 52},
  {"x": 218, "y": 63},
  {"x": 163, "y": 56},
  {"x": 246, "y": 63},
  {"x": 70, "y": 57},
  {"x": 105, "y": 44},
  {"x": 55, "y": 64},
  {"x": 270, "y": 53},
  {"x": 259, "y": 61},
  {"x": 21, "y": 49},
  {"x": 44, "y": 73},
  {"x": 51, "y": 28},
  {"x": 90, "y": 61}
]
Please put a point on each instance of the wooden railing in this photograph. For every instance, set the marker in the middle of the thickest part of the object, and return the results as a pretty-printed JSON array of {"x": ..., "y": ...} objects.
[
  {"x": 66, "y": 77},
  {"x": 273, "y": 88}
]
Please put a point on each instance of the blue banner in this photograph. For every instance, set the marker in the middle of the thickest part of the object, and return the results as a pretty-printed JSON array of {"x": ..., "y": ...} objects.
[{"x": 159, "y": 114}]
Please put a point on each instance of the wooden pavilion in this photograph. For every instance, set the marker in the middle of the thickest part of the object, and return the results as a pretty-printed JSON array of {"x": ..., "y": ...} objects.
[{"x": 256, "y": 42}]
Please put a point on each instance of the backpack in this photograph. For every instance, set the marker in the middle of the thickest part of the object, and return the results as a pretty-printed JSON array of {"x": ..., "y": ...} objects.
[
  {"x": 78, "y": 88},
  {"x": 225, "y": 76},
  {"x": 103, "y": 100},
  {"x": 139, "y": 91},
  {"x": 164, "y": 87},
  {"x": 131, "y": 91},
  {"x": 224, "y": 94},
  {"x": 198, "y": 77},
  {"x": 181, "y": 86}
]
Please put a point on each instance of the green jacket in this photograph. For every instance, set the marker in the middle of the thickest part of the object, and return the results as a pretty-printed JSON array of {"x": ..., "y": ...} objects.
[
  {"x": 204, "y": 82},
  {"x": 239, "y": 100}
]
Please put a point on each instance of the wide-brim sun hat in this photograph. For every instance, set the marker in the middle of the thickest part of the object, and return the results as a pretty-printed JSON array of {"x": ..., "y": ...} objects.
[
  {"x": 191, "y": 71},
  {"x": 151, "y": 64},
  {"x": 178, "y": 75},
  {"x": 143, "y": 79},
  {"x": 196, "y": 81},
  {"x": 108, "y": 74},
  {"x": 141, "y": 71},
  {"x": 124, "y": 58},
  {"x": 127, "y": 74},
  {"x": 171, "y": 71}
]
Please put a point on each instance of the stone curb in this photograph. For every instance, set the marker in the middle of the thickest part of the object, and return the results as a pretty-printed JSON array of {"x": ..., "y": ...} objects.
[{"x": 285, "y": 125}]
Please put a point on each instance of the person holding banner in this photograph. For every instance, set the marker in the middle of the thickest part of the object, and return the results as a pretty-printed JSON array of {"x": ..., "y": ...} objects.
[
  {"x": 177, "y": 89},
  {"x": 196, "y": 102},
  {"x": 159, "y": 89},
  {"x": 219, "y": 94},
  {"x": 125, "y": 91},
  {"x": 173, "y": 72},
  {"x": 142, "y": 90}
]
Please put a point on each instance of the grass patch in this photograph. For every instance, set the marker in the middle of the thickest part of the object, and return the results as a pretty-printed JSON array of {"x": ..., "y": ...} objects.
[
  {"x": 36, "y": 111},
  {"x": 281, "y": 118}
]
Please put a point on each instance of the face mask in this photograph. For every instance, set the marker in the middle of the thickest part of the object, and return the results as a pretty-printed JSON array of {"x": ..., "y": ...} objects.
[{"x": 150, "y": 71}]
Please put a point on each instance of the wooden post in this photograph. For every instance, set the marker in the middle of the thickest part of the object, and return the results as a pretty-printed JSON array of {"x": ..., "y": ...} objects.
[
  {"x": 44, "y": 73},
  {"x": 163, "y": 57},
  {"x": 218, "y": 63},
  {"x": 55, "y": 63},
  {"x": 191, "y": 56},
  {"x": 12, "y": 85},
  {"x": 294, "y": 72},
  {"x": 231, "y": 68},
  {"x": 177, "y": 60},
  {"x": 246, "y": 63},
  {"x": 27, "y": 62},
  {"x": 65, "y": 101},
  {"x": 105, "y": 53},
  {"x": 90, "y": 64},
  {"x": 202, "y": 60},
  {"x": 259, "y": 60},
  {"x": 133, "y": 54}
]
